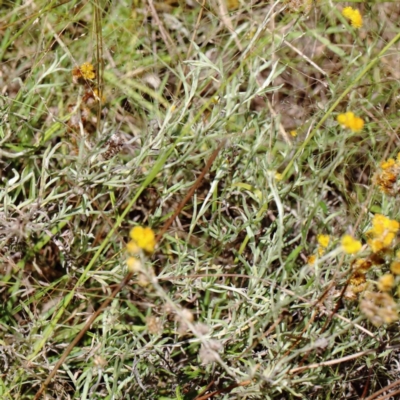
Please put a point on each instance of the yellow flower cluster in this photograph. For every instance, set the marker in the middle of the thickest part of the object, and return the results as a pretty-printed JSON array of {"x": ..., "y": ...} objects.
[
  {"x": 382, "y": 234},
  {"x": 354, "y": 16},
  {"x": 350, "y": 245},
  {"x": 323, "y": 241},
  {"x": 350, "y": 121},
  {"x": 386, "y": 177},
  {"x": 142, "y": 240}
]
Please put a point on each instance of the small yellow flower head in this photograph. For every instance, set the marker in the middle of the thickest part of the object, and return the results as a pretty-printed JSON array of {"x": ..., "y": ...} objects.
[
  {"x": 144, "y": 238},
  {"x": 87, "y": 71},
  {"x": 323, "y": 240},
  {"x": 395, "y": 267},
  {"x": 357, "y": 279},
  {"x": 387, "y": 164},
  {"x": 350, "y": 245},
  {"x": 350, "y": 121},
  {"x": 293, "y": 133},
  {"x": 361, "y": 265},
  {"x": 354, "y": 16},
  {"x": 376, "y": 245},
  {"x": 311, "y": 259},
  {"x": 278, "y": 176},
  {"x": 386, "y": 282}
]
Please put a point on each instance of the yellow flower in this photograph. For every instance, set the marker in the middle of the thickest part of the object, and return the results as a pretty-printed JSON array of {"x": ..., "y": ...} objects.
[
  {"x": 323, "y": 240},
  {"x": 395, "y": 267},
  {"x": 386, "y": 282},
  {"x": 349, "y": 120},
  {"x": 87, "y": 71},
  {"x": 388, "y": 239},
  {"x": 382, "y": 233},
  {"x": 382, "y": 224},
  {"x": 361, "y": 265},
  {"x": 311, "y": 259},
  {"x": 354, "y": 16},
  {"x": 293, "y": 133},
  {"x": 386, "y": 180},
  {"x": 144, "y": 238},
  {"x": 388, "y": 163},
  {"x": 357, "y": 279},
  {"x": 350, "y": 245},
  {"x": 376, "y": 245}
]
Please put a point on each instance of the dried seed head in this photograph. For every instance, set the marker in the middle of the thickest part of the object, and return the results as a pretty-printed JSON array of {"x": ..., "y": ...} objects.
[{"x": 379, "y": 308}]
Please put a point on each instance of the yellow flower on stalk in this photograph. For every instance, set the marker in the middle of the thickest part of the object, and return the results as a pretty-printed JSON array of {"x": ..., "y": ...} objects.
[
  {"x": 376, "y": 245},
  {"x": 395, "y": 267},
  {"x": 386, "y": 282},
  {"x": 311, "y": 259},
  {"x": 293, "y": 133},
  {"x": 87, "y": 71},
  {"x": 357, "y": 279},
  {"x": 354, "y": 16},
  {"x": 361, "y": 265},
  {"x": 323, "y": 240},
  {"x": 350, "y": 245},
  {"x": 350, "y": 121},
  {"x": 143, "y": 238},
  {"x": 388, "y": 163}
]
